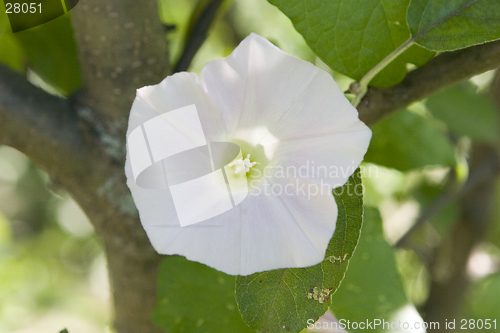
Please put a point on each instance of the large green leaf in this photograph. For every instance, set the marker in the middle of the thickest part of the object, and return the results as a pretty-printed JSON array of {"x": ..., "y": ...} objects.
[
  {"x": 194, "y": 298},
  {"x": 51, "y": 53},
  {"x": 466, "y": 112},
  {"x": 372, "y": 288},
  {"x": 444, "y": 25},
  {"x": 352, "y": 36},
  {"x": 407, "y": 140},
  {"x": 283, "y": 300}
]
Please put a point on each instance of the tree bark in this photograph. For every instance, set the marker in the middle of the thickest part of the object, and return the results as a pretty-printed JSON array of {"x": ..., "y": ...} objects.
[{"x": 122, "y": 46}]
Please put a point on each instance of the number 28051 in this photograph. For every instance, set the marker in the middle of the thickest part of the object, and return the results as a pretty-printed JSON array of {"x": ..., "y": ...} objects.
[{"x": 24, "y": 8}]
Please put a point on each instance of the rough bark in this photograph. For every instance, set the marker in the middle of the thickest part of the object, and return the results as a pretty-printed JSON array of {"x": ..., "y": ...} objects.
[{"x": 122, "y": 46}]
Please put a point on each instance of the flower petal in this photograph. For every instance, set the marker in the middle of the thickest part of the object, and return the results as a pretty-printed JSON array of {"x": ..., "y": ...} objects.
[
  {"x": 180, "y": 90},
  {"x": 266, "y": 231},
  {"x": 260, "y": 86},
  {"x": 155, "y": 206},
  {"x": 325, "y": 159}
]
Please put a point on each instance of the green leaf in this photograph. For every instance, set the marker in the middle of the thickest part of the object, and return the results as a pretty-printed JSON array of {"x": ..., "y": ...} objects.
[
  {"x": 372, "y": 287},
  {"x": 443, "y": 25},
  {"x": 407, "y": 140},
  {"x": 11, "y": 52},
  {"x": 194, "y": 298},
  {"x": 466, "y": 112},
  {"x": 352, "y": 36},
  {"x": 51, "y": 53},
  {"x": 64, "y": 331},
  {"x": 283, "y": 300}
]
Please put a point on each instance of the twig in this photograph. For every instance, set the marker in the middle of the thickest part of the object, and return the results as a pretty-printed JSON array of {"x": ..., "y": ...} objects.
[
  {"x": 37, "y": 123},
  {"x": 201, "y": 23},
  {"x": 360, "y": 88}
]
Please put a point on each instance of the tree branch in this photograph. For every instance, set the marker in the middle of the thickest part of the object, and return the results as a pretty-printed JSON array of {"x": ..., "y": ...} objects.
[
  {"x": 47, "y": 129},
  {"x": 40, "y": 125},
  {"x": 441, "y": 72}
]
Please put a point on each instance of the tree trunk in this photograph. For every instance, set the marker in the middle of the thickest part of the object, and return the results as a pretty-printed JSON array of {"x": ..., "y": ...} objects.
[{"x": 122, "y": 46}]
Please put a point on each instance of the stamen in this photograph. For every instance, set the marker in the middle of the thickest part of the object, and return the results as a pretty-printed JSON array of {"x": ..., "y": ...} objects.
[
  {"x": 235, "y": 162},
  {"x": 247, "y": 165}
]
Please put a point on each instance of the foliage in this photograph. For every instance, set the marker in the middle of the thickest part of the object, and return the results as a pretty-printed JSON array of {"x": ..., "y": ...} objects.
[
  {"x": 195, "y": 298},
  {"x": 51, "y": 53},
  {"x": 49, "y": 50},
  {"x": 354, "y": 44},
  {"x": 408, "y": 140},
  {"x": 11, "y": 52},
  {"x": 442, "y": 25},
  {"x": 466, "y": 112}
]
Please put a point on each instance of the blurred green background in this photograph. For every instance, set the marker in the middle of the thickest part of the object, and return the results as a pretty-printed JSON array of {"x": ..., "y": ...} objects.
[{"x": 52, "y": 268}]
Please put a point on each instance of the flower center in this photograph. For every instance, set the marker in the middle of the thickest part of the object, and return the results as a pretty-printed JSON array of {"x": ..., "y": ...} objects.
[
  {"x": 245, "y": 164},
  {"x": 255, "y": 162}
]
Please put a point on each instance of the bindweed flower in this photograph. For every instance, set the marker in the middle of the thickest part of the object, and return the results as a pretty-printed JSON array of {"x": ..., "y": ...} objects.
[{"x": 236, "y": 171}]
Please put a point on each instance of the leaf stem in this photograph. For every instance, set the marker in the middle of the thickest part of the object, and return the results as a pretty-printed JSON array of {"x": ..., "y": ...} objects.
[{"x": 361, "y": 87}]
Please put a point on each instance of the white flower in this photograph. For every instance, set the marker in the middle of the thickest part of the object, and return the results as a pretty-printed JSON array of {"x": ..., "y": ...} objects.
[{"x": 274, "y": 208}]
